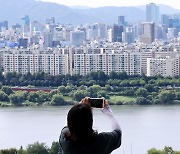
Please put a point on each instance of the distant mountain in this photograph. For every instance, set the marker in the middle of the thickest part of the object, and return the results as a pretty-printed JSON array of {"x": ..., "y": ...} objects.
[
  {"x": 13, "y": 10},
  {"x": 80, "y": 7}
]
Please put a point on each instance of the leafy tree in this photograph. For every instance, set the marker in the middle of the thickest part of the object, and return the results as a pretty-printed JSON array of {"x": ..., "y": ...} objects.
[
  {"x": 102, "y": 93},
  {"x": 154, "y": 151},
  {"x": 128, "y": 92},
  {"x": 0, "y": 85},
  {"x": 142, "y": 92},
  {"x": 62, "y": 89},
  {"x": 167, "y": 96},
  {"x": 168, "y": 150},
  {"x": 32, "y": 97},
  {"x": 142, "y": 101},
  {"x": 42, "y": 96},
  {"x": 8, "y": 151},
  {"x": 93, "y": 90},
  {"x": 58, "y": 100},
  {"x": 7, "y": 90},
  {"x": 37, "y": 148},
  {"x": 79, "y": 94},
  {"x": 113, "y": 75},
  {"x": 55, "y": 148},
  {"x": 53, "y": 92},
  {"x": 14, "y": 99},
  {"x": 3, "y": 96}
]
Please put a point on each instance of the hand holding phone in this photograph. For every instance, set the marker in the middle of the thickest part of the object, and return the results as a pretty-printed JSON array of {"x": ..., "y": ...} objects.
[{"x": 96, "y": 102}]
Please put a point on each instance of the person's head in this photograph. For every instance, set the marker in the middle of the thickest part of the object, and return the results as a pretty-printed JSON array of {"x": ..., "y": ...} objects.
[{"x": 80, "y": 121}]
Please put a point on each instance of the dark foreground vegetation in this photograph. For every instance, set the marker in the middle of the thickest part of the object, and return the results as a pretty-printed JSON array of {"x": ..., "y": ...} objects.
[
  {"x": 166, "y": 150},
  {"x": 42, "y": 148},
  {"x": 36, "y": 148},
  {"x": 118, "y": 88}
]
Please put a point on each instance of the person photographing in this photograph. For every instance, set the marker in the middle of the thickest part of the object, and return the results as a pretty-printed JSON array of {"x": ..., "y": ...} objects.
[{"x": 78, "y": 137}]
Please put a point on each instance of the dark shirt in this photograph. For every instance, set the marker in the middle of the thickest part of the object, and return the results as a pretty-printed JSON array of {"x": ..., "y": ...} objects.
[{"x": 104, "y": 143}]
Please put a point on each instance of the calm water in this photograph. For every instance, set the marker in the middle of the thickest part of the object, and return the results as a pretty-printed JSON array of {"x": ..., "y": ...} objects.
[{"x": 143, "y": 127}]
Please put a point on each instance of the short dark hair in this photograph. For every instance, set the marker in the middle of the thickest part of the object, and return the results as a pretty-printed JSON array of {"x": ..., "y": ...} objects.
[{"x": 80, "y": 121}]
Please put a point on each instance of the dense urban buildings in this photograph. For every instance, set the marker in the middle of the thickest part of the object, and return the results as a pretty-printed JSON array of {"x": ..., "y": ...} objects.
[{"x": 150, "y": 47}]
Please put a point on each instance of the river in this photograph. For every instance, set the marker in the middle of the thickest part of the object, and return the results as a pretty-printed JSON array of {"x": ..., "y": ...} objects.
[{"x": 144, "y": 127}]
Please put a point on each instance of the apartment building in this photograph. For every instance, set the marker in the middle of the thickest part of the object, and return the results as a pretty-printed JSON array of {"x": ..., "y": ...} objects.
[
  {"x": 51, "y": 62},
  {"x": 107, "y": 61},
  {"x": 163, "y": 66}
]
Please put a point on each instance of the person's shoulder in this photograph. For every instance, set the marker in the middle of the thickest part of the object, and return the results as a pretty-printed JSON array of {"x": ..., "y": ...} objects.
[
  {"x": 64, "y": 131},
  {"x": 117, "y": 132}
]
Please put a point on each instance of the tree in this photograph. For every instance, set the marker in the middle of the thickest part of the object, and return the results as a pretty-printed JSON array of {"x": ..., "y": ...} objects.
[
  {"x": 167, "y": 96},
  {"x": 142, "y": 92},
  {"x": 93, "y": 90},
  {"x": 8, "y": 151},
  {"x": 80, "y": 94},
  {"x": 55, "y": 148},
  {"x": 62, "y": 89},
  {"x": 37, "y": 148},
  {"x": 3, "y": 96},
  {"x": 154, "y": 151},
  {"x": 142, "y": 101},
  {"x": 7, "y": 90},
  {"x": 101, "y": 94},
  {"x": 0, "y": 85},
  {"x": 42, "y": 96},
  {"x": 58, "y": 100},
  {"x": 32, "y": 97},
  {"x": 14, "y": 99}
]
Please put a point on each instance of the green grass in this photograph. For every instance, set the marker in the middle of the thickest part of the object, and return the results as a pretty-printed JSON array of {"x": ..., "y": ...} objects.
[{"x": 123, "y": 99}]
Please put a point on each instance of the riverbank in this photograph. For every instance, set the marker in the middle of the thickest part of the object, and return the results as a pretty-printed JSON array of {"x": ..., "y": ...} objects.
[{"x": 113, "y": 100}]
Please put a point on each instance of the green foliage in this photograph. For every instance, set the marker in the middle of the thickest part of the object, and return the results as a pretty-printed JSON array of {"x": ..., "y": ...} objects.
[
  {"x": 142, "y": 101},
  {"x": 79, "y": 94},
  {"x": 3, "y": 96},
  {"x": 42, "y": 97},
  {"x": 55, "y": 147},
  {"x": 7, "y": 90},
  {"x": 8, "y": 151},
  {"x": 142, "y": 92},
  {"x": 154, "y": 151},
  {"x": 0, "y": 85},
  {"x": 37, "y": 148},
  {"x": 14, "y": 99},
  {"x": 166, "y": 150},
  {"x": 58, "y": 99},
  {"x": 32, "y": 97},
  {"x": 167, "y": 96}
]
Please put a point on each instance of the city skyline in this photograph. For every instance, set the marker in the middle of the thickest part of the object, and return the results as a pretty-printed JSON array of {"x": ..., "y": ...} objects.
[{"x": 94, "y": 4}]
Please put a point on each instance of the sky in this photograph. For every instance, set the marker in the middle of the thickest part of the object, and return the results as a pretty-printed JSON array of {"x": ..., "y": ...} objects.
[{"x": 99, "y": 3}]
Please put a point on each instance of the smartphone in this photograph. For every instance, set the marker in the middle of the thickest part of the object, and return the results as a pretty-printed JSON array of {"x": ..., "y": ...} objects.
[{"x": 96, "y": 102}]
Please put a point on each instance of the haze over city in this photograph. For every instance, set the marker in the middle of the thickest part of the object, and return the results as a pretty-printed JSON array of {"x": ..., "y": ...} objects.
[{"x": 95, "y": 3}]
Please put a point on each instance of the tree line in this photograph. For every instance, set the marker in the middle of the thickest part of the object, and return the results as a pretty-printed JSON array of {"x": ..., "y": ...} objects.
[
  {"x": 42, "y": 148},
  {"x": 35, "y": 148},
  {"x": 146, "y": 90},
  {"x": 120, "y": 79}
]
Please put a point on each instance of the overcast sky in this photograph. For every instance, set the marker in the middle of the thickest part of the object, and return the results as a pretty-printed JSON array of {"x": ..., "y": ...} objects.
[{"x": 97, "y": 3}]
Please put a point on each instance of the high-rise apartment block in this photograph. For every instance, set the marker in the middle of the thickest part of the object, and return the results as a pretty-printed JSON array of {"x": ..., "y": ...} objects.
[
  {"x": 163, "y": 66},
  {"x": 53, "y": 63},
  {"x": 107, "y": 61}
]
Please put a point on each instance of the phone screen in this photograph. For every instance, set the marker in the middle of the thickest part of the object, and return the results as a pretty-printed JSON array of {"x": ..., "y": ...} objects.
[{"x": 96, "y": 102}]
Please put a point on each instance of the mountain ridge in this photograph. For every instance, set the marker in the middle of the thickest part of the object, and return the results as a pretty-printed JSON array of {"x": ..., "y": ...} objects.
[{"x": 39, "y": 11}]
